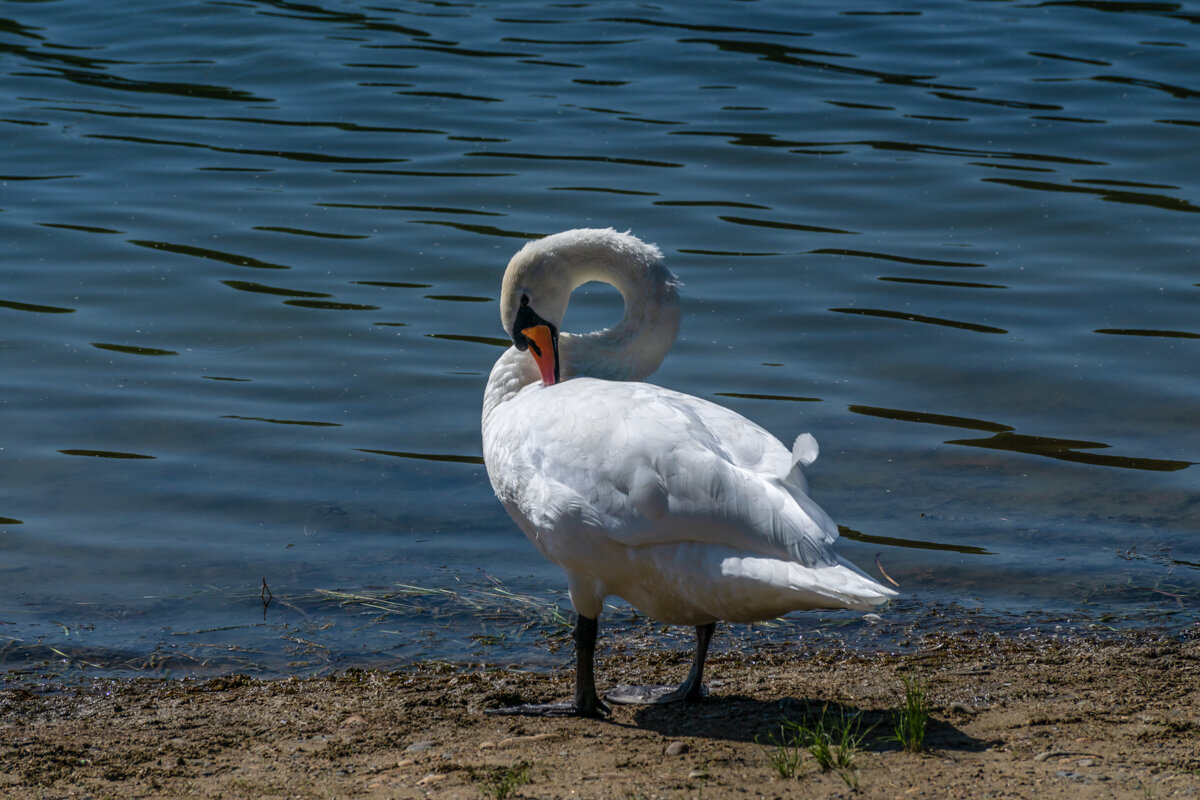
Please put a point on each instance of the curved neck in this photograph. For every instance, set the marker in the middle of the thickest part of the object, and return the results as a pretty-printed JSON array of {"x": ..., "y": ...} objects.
[
  {"x": 636, "y": 346},
  {"x": 543, "y": 274}
]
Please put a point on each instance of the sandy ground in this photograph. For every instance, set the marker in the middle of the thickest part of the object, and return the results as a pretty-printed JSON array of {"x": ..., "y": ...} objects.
[{"x": 1010, "y": 719}]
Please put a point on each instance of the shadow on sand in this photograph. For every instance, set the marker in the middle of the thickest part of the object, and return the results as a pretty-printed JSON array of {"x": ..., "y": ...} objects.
[{"x": 744, "y": 719}]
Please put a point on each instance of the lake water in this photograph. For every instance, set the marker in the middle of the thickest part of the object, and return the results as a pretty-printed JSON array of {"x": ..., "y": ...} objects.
[{"x": 251, "y": 252}]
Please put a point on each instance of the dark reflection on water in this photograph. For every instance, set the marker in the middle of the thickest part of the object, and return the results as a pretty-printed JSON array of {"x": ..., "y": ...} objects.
[
  {"x": 866, "y": 538},
  {"x": 747, "y": 396},
  {"x": 1144, "y": 332},
  {"x": 259, "y": 288},
  {"x": 134, "y": 350},
  {"x": 1068, "y": 450},
  {"x": 428, "y": 456},
  {"x": 204, "y": 252},
  {"x": 932, "y": 282},
  {"x": 34, "y": 308},
  {"x": 907, "y": 317},
  {"x": 1110, "y": 195},
  {"x": 459, "y": 337},
  {"x": 819, "y": 182},
  {"x": 932, "y": 419},
  {"x": 302, "y": 232},
  {"x": 285, "y": 421},
  {"x": 330, "y": 305},
  {"x": 104, "y": 454},
  {"x": 922, "y": 262},
  {"x": 1005, "y": 438}
]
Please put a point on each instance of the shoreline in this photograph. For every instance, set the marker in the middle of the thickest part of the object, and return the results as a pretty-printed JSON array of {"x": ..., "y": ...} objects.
[{"x": 1009, "y": 718}]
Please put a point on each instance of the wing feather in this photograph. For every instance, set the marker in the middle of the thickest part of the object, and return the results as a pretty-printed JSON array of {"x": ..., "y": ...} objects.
[{"x": 647, "y": 466}]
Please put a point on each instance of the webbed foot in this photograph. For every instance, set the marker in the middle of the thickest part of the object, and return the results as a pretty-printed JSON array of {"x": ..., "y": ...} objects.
[
  {"x": 565, "y": 708},
  {"x": 654, "y": 695}
]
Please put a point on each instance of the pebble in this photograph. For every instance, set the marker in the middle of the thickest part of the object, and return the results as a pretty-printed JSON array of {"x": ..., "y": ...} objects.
[
  {"x": 677, "y": 748},
  {"x": 514, "y": 741},
  {"x": 353, "y": 719},
  {"x": 430, "y": 779},
  {"x": 419, "y": 747}
]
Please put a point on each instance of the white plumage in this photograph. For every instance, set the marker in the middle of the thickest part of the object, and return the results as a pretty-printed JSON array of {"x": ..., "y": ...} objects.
[{"x": 684, "y": 508}]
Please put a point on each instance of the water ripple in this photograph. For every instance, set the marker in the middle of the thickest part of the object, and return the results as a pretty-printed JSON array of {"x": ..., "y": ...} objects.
[
  {"x": 289, "y": 155},
  {"x": 910, "y": 317},
  {"x": 636, "y": 162},
  {"x": 330, "y": 305},
  {"x": 260, "y": 288},
  {"x": 106, "y": 454},
  {"x": 302, "y": 422},
  {"x": 454, "y": 459},
  {"x": 1149, "y": 332},
  {"x": 303, "y": 232},
  {"x": 105, "y": 81},
  {"x": 134, "y": 350},
  {"x": 932, "y": 282},
  {"x": 923, "y": 262},
  {"x": 204, "y": 252},
  {"x": 1069, "y": 450},
  {"x": 1110, "y": 195},
  {"x": 747, "y": 396},
  {"x": 788, "y": 226},
  {"x": 35, "y": 308},
  {"x": 916, "y": 544},
  {"x": 1004, "y": 437}
]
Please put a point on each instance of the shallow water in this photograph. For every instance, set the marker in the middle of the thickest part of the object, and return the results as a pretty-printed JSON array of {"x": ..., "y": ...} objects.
[{"x": 252, "y": 249}]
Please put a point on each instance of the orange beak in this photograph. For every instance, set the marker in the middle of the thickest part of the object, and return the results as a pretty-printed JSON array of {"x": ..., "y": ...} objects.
[{"x": 541, "y": 347}]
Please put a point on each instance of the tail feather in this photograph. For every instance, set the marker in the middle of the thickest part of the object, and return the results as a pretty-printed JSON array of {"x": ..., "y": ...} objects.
[{"x": 805, "y": 450}]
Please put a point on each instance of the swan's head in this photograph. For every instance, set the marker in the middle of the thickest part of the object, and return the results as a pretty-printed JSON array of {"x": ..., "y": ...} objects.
[{"x": 541, "y": 276}]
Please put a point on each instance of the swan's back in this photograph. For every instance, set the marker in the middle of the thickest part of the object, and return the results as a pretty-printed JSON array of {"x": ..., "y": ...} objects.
[{"x": 651, "y": 494}]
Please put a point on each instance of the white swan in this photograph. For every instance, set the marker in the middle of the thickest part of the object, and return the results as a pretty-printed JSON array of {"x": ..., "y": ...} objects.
[{"x": 687, "y": 510}]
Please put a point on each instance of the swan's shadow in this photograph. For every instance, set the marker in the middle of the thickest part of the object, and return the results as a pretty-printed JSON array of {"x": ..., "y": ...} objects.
[{"x": 739, "y": 718}]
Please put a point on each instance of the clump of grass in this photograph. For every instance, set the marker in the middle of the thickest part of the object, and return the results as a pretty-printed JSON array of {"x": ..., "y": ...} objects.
[
  {"x": 492, "y": 602},
  {"x": 911, "y": 718},
  {"x": 783, "y": 753},
  {"x": 833, "y": 741},
  {"x": 501, "y": 782}
]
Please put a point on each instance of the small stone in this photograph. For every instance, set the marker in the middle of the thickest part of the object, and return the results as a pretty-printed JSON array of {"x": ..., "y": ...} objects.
[
  {"x": 514, "y": 741},
  {"x": 697, "y": 774},
  {"x": 487, "y": 745},
  {"x": 431, "y": 779},
  {"x": 353, "y": 720},
  {"x": 405, "y": 762},
  {"x": 1085, "y": 762},
  {"x": 420, "y": 747},
  {"x": 677, "y": 748}
]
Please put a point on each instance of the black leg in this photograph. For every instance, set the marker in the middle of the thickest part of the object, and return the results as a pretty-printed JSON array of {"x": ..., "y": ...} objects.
[
  {"x": 587, "y": 703},
  {"x": 693, "y": 687},
  {"x": 691, "y": 690}
]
